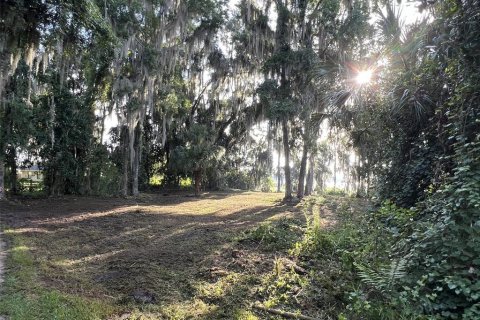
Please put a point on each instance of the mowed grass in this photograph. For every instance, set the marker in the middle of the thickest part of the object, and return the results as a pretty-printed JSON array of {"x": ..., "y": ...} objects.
[
  {"x": 24, "y": 297},
  {"x": 155, "y": 257}
]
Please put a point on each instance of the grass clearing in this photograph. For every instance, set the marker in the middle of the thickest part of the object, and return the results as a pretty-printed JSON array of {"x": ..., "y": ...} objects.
[
  {"x": 92, "y": 258},
  {"x": 169, "y": 257}
]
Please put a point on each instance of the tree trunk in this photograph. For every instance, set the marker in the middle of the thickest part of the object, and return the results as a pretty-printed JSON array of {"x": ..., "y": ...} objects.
[
  {"x": 359, "y": 178},
  {"x": 270, "y": 148},
  {"x": 367, "y": 191},
  {"x": 13, "y": 170},
  {"x": 102, "y": 128},
  {"x": 125, "y": 161},
  {"x": 52, "y": 121},
  {"x": 309, "y": 185},
  {"x": 335, "y": 170},
  {"x": 137, "y": 158},
  {"x": 286, "y": 149},
  {"x": 279, "y": 174},
  {"x": 137, "y": 145},
  {"x": 303, "y": 170},
  {"x": 2, "y": 173},
  {"x": 197, "y": 176}
]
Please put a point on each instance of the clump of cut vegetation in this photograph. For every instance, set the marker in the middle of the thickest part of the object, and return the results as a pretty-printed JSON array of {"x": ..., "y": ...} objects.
[{"x": 275, "y": 235}]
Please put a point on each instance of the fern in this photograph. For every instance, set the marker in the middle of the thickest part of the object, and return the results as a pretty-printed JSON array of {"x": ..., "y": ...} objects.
[{"x": 385, "y": 278}]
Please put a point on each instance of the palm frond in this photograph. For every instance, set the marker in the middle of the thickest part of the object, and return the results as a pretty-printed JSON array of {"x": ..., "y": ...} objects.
[
  {"x": 416, "y": 99},
  {"x": 390, "y": 23}
]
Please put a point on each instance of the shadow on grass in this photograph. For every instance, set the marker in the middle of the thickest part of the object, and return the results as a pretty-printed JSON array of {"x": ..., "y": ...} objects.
[
  {"x": 111, "y": 247},
  {"x": 30, "y": 208}
]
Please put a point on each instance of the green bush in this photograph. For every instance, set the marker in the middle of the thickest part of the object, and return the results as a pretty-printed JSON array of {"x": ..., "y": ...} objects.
[
  {"x": 267, "y": 185},
  {"x": 28, "y": 185},
  {"x": 334, "y": 192},
  {"x": 239, "y": 180},
  {"x": 105, "y": 178}
]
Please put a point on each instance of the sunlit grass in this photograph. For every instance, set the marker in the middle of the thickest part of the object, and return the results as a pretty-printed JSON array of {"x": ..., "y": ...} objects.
[
  {"x": 85, "y": 265},
  {"x": 23, "y": 296}
]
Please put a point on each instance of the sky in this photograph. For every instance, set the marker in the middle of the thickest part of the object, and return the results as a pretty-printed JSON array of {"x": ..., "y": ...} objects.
[{"x": 410, "y": 12}]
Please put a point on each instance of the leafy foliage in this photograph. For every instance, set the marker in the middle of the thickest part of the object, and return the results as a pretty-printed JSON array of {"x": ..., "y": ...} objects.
[{"x": 435, "y": 166}]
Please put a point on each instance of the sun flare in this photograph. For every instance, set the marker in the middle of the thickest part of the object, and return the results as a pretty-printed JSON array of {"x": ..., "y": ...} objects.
[{"x": 364, "y": 77}]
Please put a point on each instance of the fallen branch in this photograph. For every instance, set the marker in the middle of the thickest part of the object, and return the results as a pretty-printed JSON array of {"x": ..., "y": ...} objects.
[
  {"x": 285, "y": 314},
  {"x": 295, "y": 267}
]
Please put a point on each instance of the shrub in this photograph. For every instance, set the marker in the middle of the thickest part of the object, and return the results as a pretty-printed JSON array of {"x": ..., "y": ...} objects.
[
  {"x": 334, "y": 192},
  {"x": 239, "y": 180},
  {"x": 267, "y": 185}
]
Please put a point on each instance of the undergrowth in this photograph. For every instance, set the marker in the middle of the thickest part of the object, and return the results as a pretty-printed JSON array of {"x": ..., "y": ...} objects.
[
  {"x": 274, "y": 236},
  {"x": 340, "y": 270}
]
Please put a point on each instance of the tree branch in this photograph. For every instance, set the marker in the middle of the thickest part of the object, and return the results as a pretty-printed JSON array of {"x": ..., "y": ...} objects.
[{"x": 283, "y": 313}]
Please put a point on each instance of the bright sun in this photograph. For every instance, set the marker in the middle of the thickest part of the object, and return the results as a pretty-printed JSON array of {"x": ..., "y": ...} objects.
[{"x": 364, "y": 77}]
